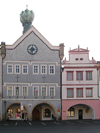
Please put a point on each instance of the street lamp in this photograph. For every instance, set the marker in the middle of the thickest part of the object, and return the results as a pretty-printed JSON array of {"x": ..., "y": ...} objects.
[{"x": 5, "y": 109}]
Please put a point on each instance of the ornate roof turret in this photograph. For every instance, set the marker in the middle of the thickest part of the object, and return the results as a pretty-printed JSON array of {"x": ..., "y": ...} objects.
[{"x": 26, "y": 18}]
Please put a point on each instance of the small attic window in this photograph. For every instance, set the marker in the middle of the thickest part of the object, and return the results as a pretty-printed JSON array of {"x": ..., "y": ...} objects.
[
  {"x": 76, "y": 58},
  {"x": 81, "y": 58}
]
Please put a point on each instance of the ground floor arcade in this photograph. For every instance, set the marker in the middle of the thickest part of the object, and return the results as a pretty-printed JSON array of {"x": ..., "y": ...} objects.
[
  {"x": 30, "y": 110},
  {"x": 80, "y": 109}
]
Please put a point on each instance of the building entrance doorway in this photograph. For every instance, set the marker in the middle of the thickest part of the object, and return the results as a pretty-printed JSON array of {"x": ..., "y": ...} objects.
[
  {"x": 43, "y": 111},
  {"x": 35, "y": 114},
  {"x": 80, "y": 114}
]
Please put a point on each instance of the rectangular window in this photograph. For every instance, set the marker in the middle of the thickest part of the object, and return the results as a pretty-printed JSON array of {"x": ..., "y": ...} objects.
[
  {"x": 44, "y": 91},
  {"x": 69, "y": 76},
  {"x": 35, "y": 91},
  {"x": 25, "y": 92},
  {"x": 17, "y": 69},
  {"x": 51, "y": 69},
  {"x": 79, "y": 76},
  {"x": 89, "y": 75},
  {"x": 43, "y": 69},
  {"x": 10, "y": 91},
  {"x": 16, "y": 91},
  {"x": 88, "y": 92},
  {"x": 52, "y": 92},
  {"x": 71, "y": 112},
  {"x": 79, "y": 92},
  {"x": 9, "y": 69},
  {"x": 35, "y": 69},
  {"x": 70, "y": 92},
  {"x": 25, "y": 69}
]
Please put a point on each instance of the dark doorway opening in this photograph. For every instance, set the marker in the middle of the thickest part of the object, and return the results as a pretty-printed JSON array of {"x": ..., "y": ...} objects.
[{"x": 80, "y": 114}]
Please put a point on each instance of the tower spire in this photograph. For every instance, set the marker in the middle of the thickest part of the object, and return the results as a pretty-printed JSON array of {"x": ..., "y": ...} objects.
[{"x": 26, "y": 18}]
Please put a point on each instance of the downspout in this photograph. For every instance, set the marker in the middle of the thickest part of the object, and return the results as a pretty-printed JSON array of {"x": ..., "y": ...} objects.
[
  {"x": 61, "y": 55},
  {"x": 98, "y": 83}
]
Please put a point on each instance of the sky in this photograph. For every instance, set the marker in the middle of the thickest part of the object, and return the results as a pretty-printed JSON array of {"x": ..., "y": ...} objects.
[{"x": 72, "y": 22}]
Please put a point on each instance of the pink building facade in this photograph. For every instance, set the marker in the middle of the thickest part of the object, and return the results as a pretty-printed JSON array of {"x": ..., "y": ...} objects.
[{"x": 80, "y": 86}]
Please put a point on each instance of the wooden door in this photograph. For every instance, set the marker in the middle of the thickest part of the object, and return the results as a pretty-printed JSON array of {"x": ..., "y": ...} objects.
[{"x": 35, "y": 114}]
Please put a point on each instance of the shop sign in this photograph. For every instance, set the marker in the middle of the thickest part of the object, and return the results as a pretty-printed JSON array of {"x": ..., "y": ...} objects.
[
  {"x": 29, "y": 105},
  {"x": 21, "y": 106},
  {"x": 58, "y": 110}
]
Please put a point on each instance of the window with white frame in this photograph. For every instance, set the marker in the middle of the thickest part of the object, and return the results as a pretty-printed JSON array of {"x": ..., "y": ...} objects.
[
  {"x": 89, "y": 75},
  {"x": 17, "y": 91},
  {"x": 79, "y": 92},
  {"x": 9, "y": 69},
  {"x": 43, "y": 91},
  {"x": 88, "y": 92},
  {"x": 25, "y": 69},
  {"x": 35, "y": 91},
  {"x": 70, "y": 92},
  {"x": 10, "y": 90},
  {"x": 43, "y": 69},
  {"x": 24, "y": 91},
  {"x": 17, "y": 69},
  {"x": 52, "y": 91},
  {"x": 35, "y": 69},
  {"x": 79, "y": 76},
  {"x": 51, "y": 69}
]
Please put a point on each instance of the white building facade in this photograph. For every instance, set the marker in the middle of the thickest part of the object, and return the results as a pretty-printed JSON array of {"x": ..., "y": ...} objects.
[{"x": 80, "y": 86}]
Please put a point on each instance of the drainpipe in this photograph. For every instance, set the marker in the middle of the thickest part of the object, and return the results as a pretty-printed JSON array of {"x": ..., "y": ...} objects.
[
  {"x": 61, "y": 55},
  {"x": 98, "y": 83}
]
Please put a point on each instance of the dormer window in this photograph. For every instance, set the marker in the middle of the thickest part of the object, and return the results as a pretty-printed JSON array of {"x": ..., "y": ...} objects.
[{"x": 76, "y": 58}]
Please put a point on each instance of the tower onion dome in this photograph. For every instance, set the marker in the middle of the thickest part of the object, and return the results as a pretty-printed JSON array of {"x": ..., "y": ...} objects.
[{"x": 26, "y": 18}]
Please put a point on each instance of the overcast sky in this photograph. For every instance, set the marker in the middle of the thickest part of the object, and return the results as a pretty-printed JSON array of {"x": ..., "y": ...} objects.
[{"x": 72, "y": 22}]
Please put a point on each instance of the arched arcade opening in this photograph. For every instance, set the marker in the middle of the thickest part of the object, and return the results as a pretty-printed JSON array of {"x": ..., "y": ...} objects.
[
  {"x": 80, "y": 111},
  {"x": 43, "y": 111},
  {"x": 15, "y": 112}
]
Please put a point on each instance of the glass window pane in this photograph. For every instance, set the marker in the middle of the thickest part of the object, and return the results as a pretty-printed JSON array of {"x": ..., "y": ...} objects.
[
  {"x": 9, "y": 91},
  {"x": 69, "y": 75},
  {"x": 17, "y": 91},
  {"x": 70, "y": 92},
  {"x": 9, "y": 68},
  {"x": 51, "y": 91},
  {"x": 79, "y": 75},
  {"x": 43, "y": 91},
  {"x": 24, "y": 69},
  {"x": 51, "y": 69},
  {"x": 35, "y": 91},
  {"x": 88, "y": 92},
  {"x": 35, "y": 69},
  {"x": 88, "y": 75},
  {"x": 24, "y": 91},
  {"x": 79, "y": 92}
]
